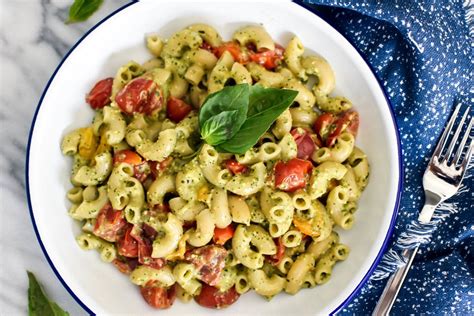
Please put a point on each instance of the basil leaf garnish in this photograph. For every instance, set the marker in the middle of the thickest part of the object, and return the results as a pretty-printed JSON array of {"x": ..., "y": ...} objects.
[
  {"x": 265, "y": 105},
  {"x": 81, "y": 10},
  {"x": 223, "y": 113},
  {"x": 38, "y": 303}
]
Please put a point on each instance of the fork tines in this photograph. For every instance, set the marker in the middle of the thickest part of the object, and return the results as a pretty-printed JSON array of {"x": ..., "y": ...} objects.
[{"x": 444, "y": 149}]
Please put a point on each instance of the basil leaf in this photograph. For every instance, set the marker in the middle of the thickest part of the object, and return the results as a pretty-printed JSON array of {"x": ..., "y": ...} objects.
[
  {"x": 265, "y": 105},
  {"x": 38, "y": 303},
  {"x": 234, "y": 102},
  {"x": 81, "y": 10},
  {"x": 220, "y": 127}
]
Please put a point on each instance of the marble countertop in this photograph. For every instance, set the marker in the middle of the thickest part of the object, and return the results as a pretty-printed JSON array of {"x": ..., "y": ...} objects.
[{"x": 33, "y": 40}]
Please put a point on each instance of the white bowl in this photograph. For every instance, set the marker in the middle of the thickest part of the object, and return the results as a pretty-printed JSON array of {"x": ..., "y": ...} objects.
[{"x": 99, "y": 287}]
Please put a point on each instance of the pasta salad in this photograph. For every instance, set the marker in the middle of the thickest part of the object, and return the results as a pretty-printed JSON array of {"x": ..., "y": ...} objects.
[{"x": 217, "y": 167}]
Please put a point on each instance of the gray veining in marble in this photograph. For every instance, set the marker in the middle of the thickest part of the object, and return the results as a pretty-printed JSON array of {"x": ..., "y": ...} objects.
[{"x": 33, "y": 40}]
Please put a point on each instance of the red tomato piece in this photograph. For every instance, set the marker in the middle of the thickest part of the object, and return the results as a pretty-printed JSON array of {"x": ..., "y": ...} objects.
[
  {"x": 269, "y": 59},
  {"x": 212, "y": 297},
  {"x": 127, "y": 245},
  {"x": 209, "y": 262},
  {"x": 304, "y": 142},
  {"x": 125, "y": 265},
  {"x": 145, "y": 236},
  {"x": 99, "y": 96},
  {"x": 205, "y": 45},
  {"x": 109, "y": 224},
  {"x": 157, "y": 168},
  {"x": 140, "y": 96},
  {"x": 177, "y": 109},
  {"x": 221, "y": 235},
  {"x": 276, "y": 258},
  {"x": 291, "y": 175},
  {"x": 234, "y": 49},
  {"x": 348, "y": 121},
  {"x": 158, "y": 296},
  {"x": 235, "y": 167},
  {"x": 323, "y": 125}
]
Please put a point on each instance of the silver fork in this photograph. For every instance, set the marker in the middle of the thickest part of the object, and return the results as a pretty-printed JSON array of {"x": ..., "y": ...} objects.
[{"x": 441, "y": 181}]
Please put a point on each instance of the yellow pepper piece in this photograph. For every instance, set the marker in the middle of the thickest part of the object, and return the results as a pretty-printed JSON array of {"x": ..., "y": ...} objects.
[
  {"x": 178, "y": 254},
  {"x": 103, "y": 146},
  {"x": 203, "y": 194},
  {"x": 88, "y": 143}
]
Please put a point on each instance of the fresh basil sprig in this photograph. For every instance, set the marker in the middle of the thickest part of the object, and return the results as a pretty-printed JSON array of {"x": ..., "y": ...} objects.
[
  {"x": 81, "y": 10},
  {"x": 234, "y": 118},
  {"x": 38, "y": 303},
  {"x": 223, "y": 113}
]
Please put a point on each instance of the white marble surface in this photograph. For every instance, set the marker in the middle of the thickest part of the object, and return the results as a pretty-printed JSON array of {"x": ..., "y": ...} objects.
[{"x": 33, "y": 40}]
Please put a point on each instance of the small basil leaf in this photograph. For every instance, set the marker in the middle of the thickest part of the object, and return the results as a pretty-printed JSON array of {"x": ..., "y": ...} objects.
[
  {"x": 220, "y": 127},
  {"x": 38, "y": 303},
  {"x": 265, "y": 105},
  {"x": 234, "y": 98},
  {"x": 81, "y": 10}
]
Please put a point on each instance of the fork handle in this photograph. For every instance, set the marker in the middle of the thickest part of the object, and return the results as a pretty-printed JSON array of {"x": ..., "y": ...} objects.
[
  {"x": 431, "y": 202},
  {"x": 394, "y": 284}
]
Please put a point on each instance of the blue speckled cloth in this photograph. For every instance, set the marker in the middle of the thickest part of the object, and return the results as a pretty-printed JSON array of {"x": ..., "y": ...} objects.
[{"x": 422, "y": 52}]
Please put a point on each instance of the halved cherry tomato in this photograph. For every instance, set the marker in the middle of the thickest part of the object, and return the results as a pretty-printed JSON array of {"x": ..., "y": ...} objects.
[
  {"x": 310, "y": 227},
  {"x": 139, "y": 96},
  {"x": 348, "y": 121},
  {"x": 269, "y": 59},
  {"x": 291, "y": 175},
  {"x": 158, "y": 296},
  {"x": 109, "y": 224},
  {"x": 304, "y": 142},
  {"x": 125, "y": 265},
  {"x": 323, "y": 125},
  {"x": 177, "y": 109},
  {"x": 208, "y": 261},
  {"x": 212, "y": 297},
  {"x": 221, "y": 235},
  {"x": 145, "y": 235},
  {"x": 235, "y": 167},
  {"x": 99, "y": 96},
  {"x": 234, "y": 49},
  {"x": 328, "y": 126},
  {"x": 127, "y": 245},
  {"x": 276, "y": 258}
]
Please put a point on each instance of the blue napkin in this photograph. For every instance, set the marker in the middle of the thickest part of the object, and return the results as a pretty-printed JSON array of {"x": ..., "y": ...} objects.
[{"x": 422, "y": 53}]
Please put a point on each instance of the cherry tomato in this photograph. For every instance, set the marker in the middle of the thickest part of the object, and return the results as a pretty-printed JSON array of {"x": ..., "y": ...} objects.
[
  {"x": 212, "y": 297},
  {"x": 158, "y": 296},
  {"x": 157, "y": 168},
  {"x": 109, "y": 224},
  {"x": 234, "y": 49},
  {"x": 235, "y": 167},
  {"x": 99, "y": 96},
  {"x": 304, "y": 142},
  {"x": 269, "y": 59},
  {"x": 291, "y": 175},
  {"x": 177, "y": 109},
  {"x": 140, "y": 96},
  {"x": 125, "y": 265},
  {"x": 127, "y": 245},
  {"x": 276, "y": 258},
  {"x": 208, "y": 261},
  {"x": 328, "y": 126},
  {"x": 221, "y": 235},
  {"x": 145, "y": 235},
  {"x": 348, "y": 121}
]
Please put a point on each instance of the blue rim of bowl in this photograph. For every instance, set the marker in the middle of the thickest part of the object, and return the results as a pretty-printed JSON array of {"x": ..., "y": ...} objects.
[{"x": 303, "y": 5}]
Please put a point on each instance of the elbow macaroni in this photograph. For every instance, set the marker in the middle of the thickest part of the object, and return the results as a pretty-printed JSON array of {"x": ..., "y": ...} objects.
[{"x": 176, "y": 194}]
